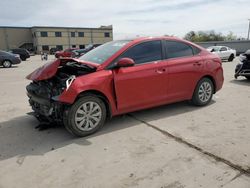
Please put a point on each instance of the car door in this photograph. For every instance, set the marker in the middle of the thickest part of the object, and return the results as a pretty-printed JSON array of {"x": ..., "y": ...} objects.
[
  {"x": 224, "y": 53},
  {"x": 184, "y": 69},
  {"x": 144, "y": 84}
]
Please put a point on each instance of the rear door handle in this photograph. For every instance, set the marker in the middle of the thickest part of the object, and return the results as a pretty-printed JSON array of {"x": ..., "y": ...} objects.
[{"x": 160, "y": 71}]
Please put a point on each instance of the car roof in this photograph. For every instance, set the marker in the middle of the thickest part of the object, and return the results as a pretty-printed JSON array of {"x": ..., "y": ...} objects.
[
  {"x": 7, "y": 53},
  {"x": 142, "y": 39},
  {"x": 217, "y": 46}
]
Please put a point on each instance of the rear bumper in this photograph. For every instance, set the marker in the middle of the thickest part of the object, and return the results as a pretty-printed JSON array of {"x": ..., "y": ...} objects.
[
  {"x": 219, "y": 79},
  {"x": 16, "y": 61}
]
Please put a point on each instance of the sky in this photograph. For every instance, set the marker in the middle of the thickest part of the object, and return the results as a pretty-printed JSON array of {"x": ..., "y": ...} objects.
[{"x": 131, "y": 18}]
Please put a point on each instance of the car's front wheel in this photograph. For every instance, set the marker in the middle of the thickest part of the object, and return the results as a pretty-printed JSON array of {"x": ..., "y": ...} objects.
[
  {"x": 7, "y": 64},
  {"x": 203, "y": 92},
  {"x": 85, "y": 116}
]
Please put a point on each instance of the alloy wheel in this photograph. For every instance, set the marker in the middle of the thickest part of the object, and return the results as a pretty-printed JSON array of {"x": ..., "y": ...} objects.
[
  {"x": 88, "y": 116},
  {"x": 205, "y": 92},
  {"x": 7, "y": 64}
]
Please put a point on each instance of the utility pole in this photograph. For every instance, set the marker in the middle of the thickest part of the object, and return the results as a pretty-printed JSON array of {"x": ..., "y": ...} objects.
[
  {"x": 91, "y": 36},
  {"x": 248, "y": 30}
]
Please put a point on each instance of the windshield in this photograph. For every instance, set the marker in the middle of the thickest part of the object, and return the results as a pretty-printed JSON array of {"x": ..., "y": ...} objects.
[{"x": 103, "y": 52}]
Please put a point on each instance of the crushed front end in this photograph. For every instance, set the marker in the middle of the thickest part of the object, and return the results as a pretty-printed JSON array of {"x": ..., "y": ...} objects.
[{"x": 48, "y": 83}]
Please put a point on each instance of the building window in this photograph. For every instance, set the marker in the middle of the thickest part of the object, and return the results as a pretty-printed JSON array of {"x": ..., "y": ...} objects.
[
  {"x": 59, "y": 47},
  {"x": 34, "y": 34},
  {"x": 58, "y": 34},
  {"x": 82, "y": 46},
  {"x": 44, "y": 34},
  {"x": 106, "y": 34},
  {"x": 73, "y": 46},
  {"x": 73, "y": 34},
  {"x": 45, "y": 48},
  {"x": 80, "y": 34}
]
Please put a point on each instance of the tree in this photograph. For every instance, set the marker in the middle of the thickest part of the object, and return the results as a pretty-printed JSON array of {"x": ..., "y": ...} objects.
[
  {"x": 231, "y": 36},
  {"x": 204, "y": 36}
]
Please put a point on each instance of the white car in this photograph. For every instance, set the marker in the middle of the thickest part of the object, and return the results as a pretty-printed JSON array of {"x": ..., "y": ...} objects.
[{"x": 224, "y": 52}]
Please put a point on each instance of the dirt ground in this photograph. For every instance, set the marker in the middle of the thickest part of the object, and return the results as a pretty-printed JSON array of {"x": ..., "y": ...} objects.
[{"x": 172, "y": 146}]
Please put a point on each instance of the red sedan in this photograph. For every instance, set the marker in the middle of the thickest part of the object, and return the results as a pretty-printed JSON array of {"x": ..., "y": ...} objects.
[
  {"x": 120, "y": 77},
  {"x": 66, "y": 53}
]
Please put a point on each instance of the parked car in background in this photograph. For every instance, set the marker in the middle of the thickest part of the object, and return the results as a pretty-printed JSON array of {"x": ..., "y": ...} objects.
[
  {"x": 120, "y": 77},
  {"x": 24, "y": 54},
  {"x": 65, "y": 53},
  {"x": 80, "y": 52},
  {"x": 224, "y": 52},
  {"x": 8, "y": 59},
  {"x": 243, "y": 68}
]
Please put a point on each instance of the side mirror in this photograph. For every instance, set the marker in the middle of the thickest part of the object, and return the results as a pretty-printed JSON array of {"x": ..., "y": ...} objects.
[{"x": 125, "y": 62}]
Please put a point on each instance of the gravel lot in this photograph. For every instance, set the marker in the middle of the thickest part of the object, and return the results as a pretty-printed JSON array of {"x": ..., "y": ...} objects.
[{"x": 173, "y": 146}]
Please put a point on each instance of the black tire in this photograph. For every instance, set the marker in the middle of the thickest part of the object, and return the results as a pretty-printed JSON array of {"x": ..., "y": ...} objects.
[
  {"x": 247, "y": 77},
  {"x": 7, "y": 63},
  {"x": 70, "y": 121},
  {"x": 231, "y": 58},
  {"x": 23, "y": 58},
  {"x": 197, "y": 95}
]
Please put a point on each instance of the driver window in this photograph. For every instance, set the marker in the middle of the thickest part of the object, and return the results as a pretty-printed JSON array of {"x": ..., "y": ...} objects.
[{"x": 144, "y": 52}]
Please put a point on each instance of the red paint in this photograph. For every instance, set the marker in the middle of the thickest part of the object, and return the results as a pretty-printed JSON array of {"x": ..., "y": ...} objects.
[
  {"x": 45, "y": 72},
  {"x": 49, "y": 69},
  {"x": 145, "y": 85}
]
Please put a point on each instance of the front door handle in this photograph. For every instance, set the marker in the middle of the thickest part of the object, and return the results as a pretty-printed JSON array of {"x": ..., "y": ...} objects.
[{"x": 197, "y": 63}]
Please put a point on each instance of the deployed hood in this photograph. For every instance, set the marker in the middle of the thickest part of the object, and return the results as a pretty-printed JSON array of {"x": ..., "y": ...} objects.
[{"x": 50, "y": 69}]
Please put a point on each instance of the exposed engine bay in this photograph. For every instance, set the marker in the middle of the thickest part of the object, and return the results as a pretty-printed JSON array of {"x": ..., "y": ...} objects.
[{"x": 43, "y": 94}]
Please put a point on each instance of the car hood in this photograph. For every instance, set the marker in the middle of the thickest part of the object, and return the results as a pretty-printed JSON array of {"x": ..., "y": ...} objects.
[{"x": 49, "y": 69}]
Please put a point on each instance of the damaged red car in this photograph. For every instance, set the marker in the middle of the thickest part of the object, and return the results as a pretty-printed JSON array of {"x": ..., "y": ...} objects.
[{"x": 120, "y": 77}]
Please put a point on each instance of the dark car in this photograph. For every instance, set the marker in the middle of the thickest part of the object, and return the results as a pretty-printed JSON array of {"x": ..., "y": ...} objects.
[
  {"x": 80, "y": 52},
  {"x": 8, "y": 59},
  {"x": 243, "y": 68},
  {"x": 52, "y": 51},
  {"x": 24, "y": 54},
  {"x": 121, "y": 77}
]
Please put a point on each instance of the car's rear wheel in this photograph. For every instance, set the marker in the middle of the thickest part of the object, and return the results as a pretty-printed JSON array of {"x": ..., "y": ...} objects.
[
  {"x": 231, "y": 58},
  {"x": 203, "y": 92},
  {"x": 7, "y": 64},
  {"x": 86, "y": 116}
]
